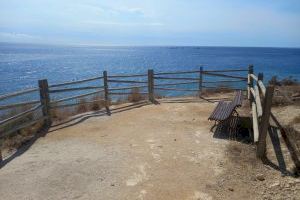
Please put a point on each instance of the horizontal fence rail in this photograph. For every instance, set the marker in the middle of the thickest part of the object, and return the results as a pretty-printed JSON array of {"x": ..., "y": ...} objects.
[
  {"x": 227, "y": 70},
  {"x": 101, "y": 89},
  {"x": 127, "y": 76},
  {"x": 4, "y": 107},
  {"x": 6, "y": 96},
  {"x": 18, "y": 116},
  {"x": 178, "y": 72},
  {"x": 75, "y": 89},
  {"x": 173, "y": 78},
  {"x": 224, "y": 75},
  {"x": 76, "y": 82},
  {"x": 76, "y": 97}
]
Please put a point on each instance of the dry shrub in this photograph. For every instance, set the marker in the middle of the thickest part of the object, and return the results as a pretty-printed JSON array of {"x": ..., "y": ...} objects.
[
  {"x": 283, "y": 95},
  {"x": 280, "y": 101},
  {"x": 19, "y": 137},
  {"x": 296, "y": 120},
  {"x": 82, "y": 107},
  {"x": 135, "y": 95},
  {"x": 159, "y": 96},
  {"x": 219, "y": 89},
  {"x": 14, "y": 111},
  {"x": 284, "y": 82},
  {"x": 98, "y": 103},
  {"x": 61, "y": 114},
  {"x": 293, "y": 134}
]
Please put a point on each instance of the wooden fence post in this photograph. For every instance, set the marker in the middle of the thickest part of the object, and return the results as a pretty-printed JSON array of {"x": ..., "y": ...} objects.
[
  {"x": 250, "y": 82},
  {"x": 45, "y": 100},
  {"x": 1, "y": 158},
  {"x": 264, "y": 124},
  {"x": 200, "y": 81},
  {"x": 151, "y": 85},
  {"x": 260, "y": 77},
  {"x": 106, "y": 97}
]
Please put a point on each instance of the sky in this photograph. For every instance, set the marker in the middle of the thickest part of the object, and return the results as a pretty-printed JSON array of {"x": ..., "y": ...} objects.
[{"x": 267, "y": 23}]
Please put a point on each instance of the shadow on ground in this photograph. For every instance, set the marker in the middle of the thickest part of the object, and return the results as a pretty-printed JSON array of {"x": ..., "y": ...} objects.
[
  {"x": 68, "y": 123},
  {"x": 241, "y": 132}
]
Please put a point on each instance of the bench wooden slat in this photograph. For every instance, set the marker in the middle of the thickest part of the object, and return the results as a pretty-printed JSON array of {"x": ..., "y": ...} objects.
[{"x": 223, "y": 110}]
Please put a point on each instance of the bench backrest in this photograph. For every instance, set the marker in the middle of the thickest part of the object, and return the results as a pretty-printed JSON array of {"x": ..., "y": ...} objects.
[{"x": 238, "y": 99}]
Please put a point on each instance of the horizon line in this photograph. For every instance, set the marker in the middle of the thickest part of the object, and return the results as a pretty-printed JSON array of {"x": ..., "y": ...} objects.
[{"x": 140, "y": 45}]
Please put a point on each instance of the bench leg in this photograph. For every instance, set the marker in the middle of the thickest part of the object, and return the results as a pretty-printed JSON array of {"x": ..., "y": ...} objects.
[
  {"x": 211, "y": 129},
  {"x": 234, "y": 121}
]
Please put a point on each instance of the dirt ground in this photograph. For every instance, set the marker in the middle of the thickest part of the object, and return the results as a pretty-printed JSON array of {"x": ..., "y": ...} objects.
[{"x": 157, "y": 152}]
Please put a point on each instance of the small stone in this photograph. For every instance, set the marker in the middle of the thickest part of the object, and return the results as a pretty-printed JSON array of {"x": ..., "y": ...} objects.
[
  {"x": 276, "y": 184},
  {"x": 297, "y": 94},
  {"x": 260, "y": 177},
  {"x": 175, "y": 140},
  {"x": 231, "y": 189},
  {"x": 297, "y": 181},
  {"x": 112, "y": 184}
]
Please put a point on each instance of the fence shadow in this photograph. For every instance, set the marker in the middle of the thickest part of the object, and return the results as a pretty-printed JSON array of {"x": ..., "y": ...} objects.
[
  {"x": 281, "y": 164},
  {"x": 108, "y": 111},
  {"x": 71, "y": 122},
  {"x": 194, "y": 100},
  {"x": 273, "y": 133}
]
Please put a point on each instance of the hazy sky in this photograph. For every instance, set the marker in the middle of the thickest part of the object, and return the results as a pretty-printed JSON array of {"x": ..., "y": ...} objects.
[{"x": 152, "y": 22}]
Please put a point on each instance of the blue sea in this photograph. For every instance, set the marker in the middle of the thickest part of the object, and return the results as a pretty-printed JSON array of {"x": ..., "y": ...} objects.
[{"x": 22, "y": 65}]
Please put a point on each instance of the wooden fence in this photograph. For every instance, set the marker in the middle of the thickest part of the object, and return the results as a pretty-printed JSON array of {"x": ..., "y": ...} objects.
[
  {"x": 150, "y": 83},
  {"x": 260, "y": 98},
  {"x": 261, "y": 101}
]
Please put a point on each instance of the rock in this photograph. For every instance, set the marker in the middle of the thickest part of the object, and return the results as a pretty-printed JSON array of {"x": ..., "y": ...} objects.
[
  {"x": 260, "y": 177},
  {"x": 297, "y": 181},
  {"x": 276, "y": 184},
  {"x": 297, "y": 94},
  {"x": 231, "y": 189}
]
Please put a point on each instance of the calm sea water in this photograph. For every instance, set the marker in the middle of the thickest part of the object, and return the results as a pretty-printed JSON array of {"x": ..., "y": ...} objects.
[{"x": 21, "y": 65}]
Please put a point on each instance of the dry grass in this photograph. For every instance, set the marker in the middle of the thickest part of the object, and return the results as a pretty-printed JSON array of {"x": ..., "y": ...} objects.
[
  {"x": 94, "y": 103},
  {"x": 289, "y": 81},
  {"x": 82, "y": 107},
  {"x": 159, "y": 96},
  {"x": 219, "y": 89},
  {"x": 294, "y": 135},
  {"x": 284, "y": 95},
  {"x": 60, "y": 114},
  {"x": 296, "y": 120},
  {"x": 16, "y": 139},
  {"x": 135, "y": 96},
  {"x": 98, "y": 103}
]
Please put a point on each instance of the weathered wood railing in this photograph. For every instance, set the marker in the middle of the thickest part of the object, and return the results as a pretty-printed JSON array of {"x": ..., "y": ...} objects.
[
  {"x": 261, "y": 102},
  {"x": 150, "y": 83},
  {"x": 260, "y": 98}
]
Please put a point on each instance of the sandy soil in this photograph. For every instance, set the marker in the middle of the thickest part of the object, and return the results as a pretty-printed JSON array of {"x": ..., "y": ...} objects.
[{"x": 163, "y": 151}]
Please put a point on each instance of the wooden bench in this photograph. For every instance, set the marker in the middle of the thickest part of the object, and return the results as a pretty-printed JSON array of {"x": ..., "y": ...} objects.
[{"x": 224, "y": 111}]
